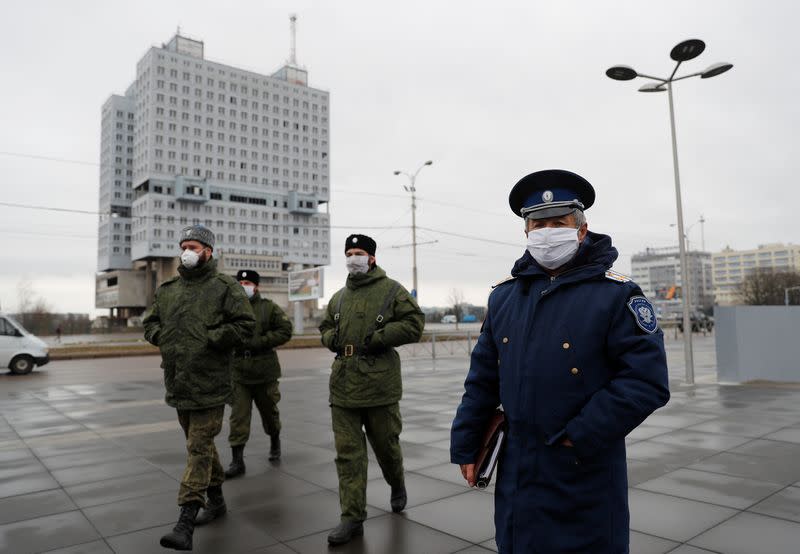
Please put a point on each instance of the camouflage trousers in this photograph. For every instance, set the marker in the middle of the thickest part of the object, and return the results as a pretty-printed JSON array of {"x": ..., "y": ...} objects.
[
  {"x": 382, "y": 425},
  {"x": 203, "y": 468},
  {"x": 266, "y": 397}
]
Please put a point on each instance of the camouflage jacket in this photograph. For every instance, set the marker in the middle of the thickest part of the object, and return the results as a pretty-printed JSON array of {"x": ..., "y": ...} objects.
[
  {"x": 257, "y": 361},
  {"x": 197, "y": 319},
  {"x": 366, "y": 371}
]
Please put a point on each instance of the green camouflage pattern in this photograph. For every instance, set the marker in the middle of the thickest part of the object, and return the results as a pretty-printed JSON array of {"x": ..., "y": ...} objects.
[
  {"x": 371, "y": 377},
  {"x": 266, "y": 397},
  {"x": 197, "y": 320},
  {"x": 203, "y": 468},
  {"x": 257, "y": 361},
  {"x": 383, "y": 426}
]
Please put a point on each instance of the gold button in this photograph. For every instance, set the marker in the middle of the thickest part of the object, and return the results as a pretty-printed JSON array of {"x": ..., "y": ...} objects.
[
  {"x": 574, "y": 370},
  {"x": 565, "y": 345},
  {"x": 505, "y": 340}
]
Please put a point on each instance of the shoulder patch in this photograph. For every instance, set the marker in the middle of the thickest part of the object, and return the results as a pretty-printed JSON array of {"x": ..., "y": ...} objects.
[
  {"x": 643, "y": 313},
  {"x": 618, "y": 277},
  {"x": 506, "y": 280}
]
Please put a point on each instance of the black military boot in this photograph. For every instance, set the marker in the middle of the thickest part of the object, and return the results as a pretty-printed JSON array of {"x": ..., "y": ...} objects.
[
  {"x": 215, "y": 507},
  {"x": 274, "y": 447},
  {"x": 345, "y": 532},
  {"x": 180, "y": 538},
  {"x": 399, "y": 498},
  {"x": 237, "y": 464}
]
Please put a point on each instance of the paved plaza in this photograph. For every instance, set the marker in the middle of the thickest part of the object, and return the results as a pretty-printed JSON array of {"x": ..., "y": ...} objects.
[{"x": 90, "y": 459}]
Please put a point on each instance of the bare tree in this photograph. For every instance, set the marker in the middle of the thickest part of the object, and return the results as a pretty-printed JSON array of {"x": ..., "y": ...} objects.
[
  {"x": 25, "y": 295},
  {"x": 766, "y": 288},
  {"x": 457, "y": 301},
  {"x": 33, "y": 311}
]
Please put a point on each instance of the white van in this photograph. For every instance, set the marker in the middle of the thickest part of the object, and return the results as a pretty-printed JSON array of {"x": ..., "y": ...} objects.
[
  {"x": 449, "y": 318},
  {"x": 20, "y": 351}
]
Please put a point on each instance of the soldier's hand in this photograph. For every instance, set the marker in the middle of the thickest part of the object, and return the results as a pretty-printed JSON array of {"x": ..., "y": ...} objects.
[
  {"x": 372, "y": 346},
  {"x": 468, "y": 471}
]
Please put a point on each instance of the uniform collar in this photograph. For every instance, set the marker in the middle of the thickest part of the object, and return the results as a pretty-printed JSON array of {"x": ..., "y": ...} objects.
[
  {"x": 363, "y": 279},
  {"x": 595, "y": 255},
  {"x": 199, "y": 272}
]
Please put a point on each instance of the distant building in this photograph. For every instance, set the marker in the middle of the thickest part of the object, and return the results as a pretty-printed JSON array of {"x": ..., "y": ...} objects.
[
  {"x": 732, "y": 266},
  {"x": 658, "y": 272},
  {"x": 195, "y": 141}
]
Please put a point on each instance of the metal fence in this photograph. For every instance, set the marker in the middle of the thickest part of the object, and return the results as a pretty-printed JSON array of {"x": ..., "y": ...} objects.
[
  {"x": 454, "y": 344},
  {"x": 433, "y": 345}
]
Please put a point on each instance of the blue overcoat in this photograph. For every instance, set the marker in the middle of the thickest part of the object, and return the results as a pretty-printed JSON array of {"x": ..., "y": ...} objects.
[{"x": 567, "y": 357}]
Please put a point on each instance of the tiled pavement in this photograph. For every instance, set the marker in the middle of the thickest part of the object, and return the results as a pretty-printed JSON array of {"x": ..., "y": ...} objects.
[{"x": 90, "y": 457}]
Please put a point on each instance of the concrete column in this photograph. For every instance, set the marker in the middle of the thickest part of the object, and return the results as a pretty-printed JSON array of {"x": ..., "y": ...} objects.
[
  {"x": 148, "y": 283},
  {"x": 298, "y": 318}
]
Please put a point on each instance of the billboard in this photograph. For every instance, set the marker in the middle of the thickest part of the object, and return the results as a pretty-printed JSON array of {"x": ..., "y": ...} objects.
[{"x": 305, "y": 284}]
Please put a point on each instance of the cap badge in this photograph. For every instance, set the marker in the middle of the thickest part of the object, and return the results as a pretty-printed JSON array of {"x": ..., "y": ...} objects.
[
  {"x": 547, "y": 196},
  {"x": 355, "y": 240}
]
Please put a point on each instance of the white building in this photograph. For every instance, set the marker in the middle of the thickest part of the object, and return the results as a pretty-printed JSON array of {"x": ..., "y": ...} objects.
[
  {"x": 195, "y": 141},
  {"x": 732, "y": 266},
  {"x": 658, "y": 272},
  {"x": 116, "y": 178}
]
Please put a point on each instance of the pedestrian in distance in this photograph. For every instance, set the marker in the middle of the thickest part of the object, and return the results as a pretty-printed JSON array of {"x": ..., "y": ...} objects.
[
  {"x": 363, "y": 324},
  {"x": 574, "y": 353},
  {"x": 256, "y": 371},
  {"x": 197, "y": 320}
]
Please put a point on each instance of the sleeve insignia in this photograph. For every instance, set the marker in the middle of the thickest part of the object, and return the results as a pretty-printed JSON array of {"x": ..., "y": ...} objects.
[{"x": 643, "y": 313}]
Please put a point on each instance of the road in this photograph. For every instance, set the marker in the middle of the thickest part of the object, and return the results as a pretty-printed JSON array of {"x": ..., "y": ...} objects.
[{"x": 90, "y": 458}]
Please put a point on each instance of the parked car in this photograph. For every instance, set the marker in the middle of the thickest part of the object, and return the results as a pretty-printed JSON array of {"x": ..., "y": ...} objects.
[
  {"x": 700, "y": 322},
  {"x": 469, "y": 318},
  {"x": 449, "y": 318},
  {"x": 20, "y": 350}
]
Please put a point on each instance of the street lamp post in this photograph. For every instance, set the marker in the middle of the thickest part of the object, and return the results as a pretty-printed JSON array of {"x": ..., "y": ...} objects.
[
  {"x": 786, "y": 294},
  {"x": 412, "y": 177},
  {"x": 683, "y": 52}
]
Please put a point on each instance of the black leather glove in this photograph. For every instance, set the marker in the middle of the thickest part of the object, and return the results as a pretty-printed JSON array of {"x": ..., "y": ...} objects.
[{"x": 372, "y": 347}]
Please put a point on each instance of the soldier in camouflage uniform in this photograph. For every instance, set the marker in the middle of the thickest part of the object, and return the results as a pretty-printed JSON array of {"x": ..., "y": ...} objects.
[
  {"x": 365, "y": 320},
  {"x": 255, "y": 374},
  {"x": 197, "y": 320}
]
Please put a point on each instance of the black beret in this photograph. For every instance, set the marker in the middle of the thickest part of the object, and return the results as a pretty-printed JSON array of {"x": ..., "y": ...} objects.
[
  {"x": 248, "y": 275},
  {"x": 360, "y": 241},
  {"x": 550, "y": 193}
]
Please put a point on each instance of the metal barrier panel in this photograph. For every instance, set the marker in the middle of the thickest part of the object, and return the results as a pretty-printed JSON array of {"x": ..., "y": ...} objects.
[{"x": 439, "y": 345}]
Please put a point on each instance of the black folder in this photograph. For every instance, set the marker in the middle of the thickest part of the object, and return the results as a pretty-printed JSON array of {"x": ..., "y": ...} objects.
[{"x": 491, "y": 447}]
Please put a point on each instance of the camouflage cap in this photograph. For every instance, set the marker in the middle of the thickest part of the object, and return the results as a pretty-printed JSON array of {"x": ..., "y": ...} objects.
[{"x": 200, "y": 233}]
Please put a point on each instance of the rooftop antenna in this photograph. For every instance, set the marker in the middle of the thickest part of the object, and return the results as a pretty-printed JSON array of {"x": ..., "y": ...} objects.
[
  {"x": 179, "y": 30},
  {"x": 293, "y": 53},
  {"x": 702, "y": 233}
]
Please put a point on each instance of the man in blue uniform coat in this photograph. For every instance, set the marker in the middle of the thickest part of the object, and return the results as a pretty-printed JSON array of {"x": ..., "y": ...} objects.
[{"x": 574, "y": 354}]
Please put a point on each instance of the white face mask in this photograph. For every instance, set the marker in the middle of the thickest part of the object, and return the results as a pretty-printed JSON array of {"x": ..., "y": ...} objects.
[
  {"x": 189, "y": 258},
  {"x": 357, "y": 264},
  {"x": 552, "y": 247},
  {"x": 249, "y": 290}
]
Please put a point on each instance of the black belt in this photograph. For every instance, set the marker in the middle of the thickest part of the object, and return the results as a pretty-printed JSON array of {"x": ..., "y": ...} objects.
[
  {"x": 250, "y": 353},
  {"x": 349, "y": 351}
]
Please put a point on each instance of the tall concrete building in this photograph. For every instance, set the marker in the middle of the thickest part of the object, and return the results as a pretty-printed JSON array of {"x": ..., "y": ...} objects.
[
  {"x": 732, "y": 266},
  {"x": 195, "y": 141},
  {"x": 658, "y": 272}
]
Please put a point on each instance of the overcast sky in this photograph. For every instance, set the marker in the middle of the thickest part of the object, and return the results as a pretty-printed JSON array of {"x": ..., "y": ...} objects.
[{"x": 488, "y": 91}]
